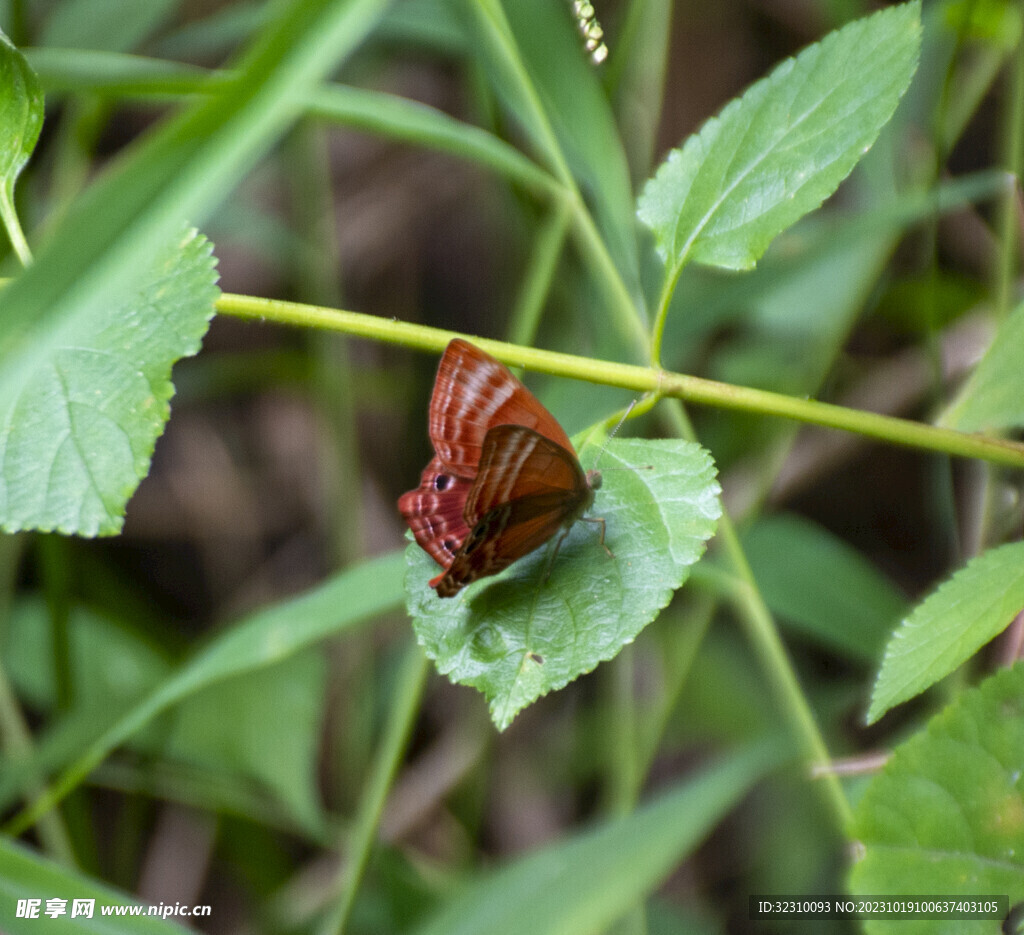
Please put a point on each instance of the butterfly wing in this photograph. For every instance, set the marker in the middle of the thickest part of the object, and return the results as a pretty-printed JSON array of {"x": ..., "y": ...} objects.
[
  {"x": 434, "y": 512},
  {"x": 527, "y": 489},
  {"x": 503, "y": 470},
  {"x": 473, "y": 393},
  {"x": 520, "y": 464}
]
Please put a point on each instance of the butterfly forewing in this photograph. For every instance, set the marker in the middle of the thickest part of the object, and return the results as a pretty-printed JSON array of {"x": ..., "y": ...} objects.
[
  {"x": 472, "y": 394},
  {"x": 504, "y": 535}
]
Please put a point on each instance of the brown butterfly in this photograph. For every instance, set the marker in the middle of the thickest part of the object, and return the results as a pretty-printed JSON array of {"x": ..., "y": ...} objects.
[{"x": 504, "y": 477}]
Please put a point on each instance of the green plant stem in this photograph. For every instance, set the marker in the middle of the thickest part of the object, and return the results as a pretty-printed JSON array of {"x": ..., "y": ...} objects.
[
  {"x": 317, "y": 277},
  {"x": 624, "y": 310},
  {"x": 1013, "y": 160},
  {"x": 623, "y": 766},
  {"x": 14, "y": 232},
  {"x": 541, "y": 271},
  {"x": 681, "y": 653},
  {"x": 763, "y": 636},
  {"x": 623, "y": 761},
  {"x": 405, "y": 705},
  {"x": 53, "y": 567},
  {"x": 637, "y": 379},
  {"x": 1005, "y": 273},
  {"x": 498, "y": 33},
  {"x": 636, "y": 80},
  {"x": 76, "y": 134},
  {"x": 15, "y": 735},
  {"x": 661, "y": 314},
  {"x": 18, "y": 747}
]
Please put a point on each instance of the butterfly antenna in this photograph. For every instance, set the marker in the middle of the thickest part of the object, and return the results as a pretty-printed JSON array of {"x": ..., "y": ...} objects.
[{"x": 614, "y": 431}]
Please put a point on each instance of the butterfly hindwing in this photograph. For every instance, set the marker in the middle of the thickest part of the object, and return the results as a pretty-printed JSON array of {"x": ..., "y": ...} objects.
[
  {"x": 434, "y": 512},
  {"x": 528, "y": 488},
  {"x": 518, "y": 463}
]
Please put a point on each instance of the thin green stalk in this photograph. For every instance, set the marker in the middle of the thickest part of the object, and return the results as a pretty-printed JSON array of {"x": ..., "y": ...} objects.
[
  {"x": 53, "y": 570},
  {"x": 118, "y": 76},
  {"x": 395, "y": 117},
  {"x": 17, "y": 746},
  {"x": 623, "y": 762},
  {"x": 498, "y": 33},
  {"x": 539, "y": 274},
  {"x": 15, "y": 736},
  {"x": 636, "y": 80},
  {"x": 318, "y": 277},
  {"x": 661, "y": 313},
  {"x": 623, "y": 765},
  {"x": 14, "y": 232},
  {"x": 306, "y": 169},
  {"x": 78, "y": 128},
  {"x": 763, "y": 636},
  {"x": 1009, "y": 205},
  {"x": 989, "y": 482},
  {"x": 592, "y": 246},
  {"x": 405, "y": 706},
  {"x": 888, "y": 429},
  {"x": 18, "y": 23},
  {"x": 686, "y": 642}
]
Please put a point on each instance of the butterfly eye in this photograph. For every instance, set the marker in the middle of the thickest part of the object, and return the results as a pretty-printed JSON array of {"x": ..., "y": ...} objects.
[
  {"x": 450, "y": 545},
  {"x": 442, "y": 482}
]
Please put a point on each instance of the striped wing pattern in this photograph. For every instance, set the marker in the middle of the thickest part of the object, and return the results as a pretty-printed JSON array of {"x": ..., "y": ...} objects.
[
  {"x": 528, "y": 489},
  {"x": 473, "y": 393},
  {"x": 504, "y": 477}
]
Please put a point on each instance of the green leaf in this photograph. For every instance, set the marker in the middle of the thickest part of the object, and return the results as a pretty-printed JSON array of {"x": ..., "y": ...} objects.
[
  {"x": 997, "y": 22},
  {"x": 262, "y": 639},
  {"x": 77, "y": 434},
  {"x": 177, "y": 174},
  {"x": 516, "y": 636},
  {"x": 112, "y": 25},
  {"x": 585, "y": 884},
  {"x": 582, "y": 118},
  {"x": 387, "y": 115},
  {"x": 946, "y": 814},
  {"x": 267, "y": 729},
  {"x": 21, "y": 119},
  {"x": 117, "y": 74},
  {"x": 951, "y": 625},
  {"x": 26, "y": 875},
  {"x": 111, "y": 666},
  {"x": 781, "y": 149},
  {"x": 821, "y": 585},
  {"x": 394, "y": 117},
  {"x": 536, "y": 65},
  {"x": 993, "y": 398}
]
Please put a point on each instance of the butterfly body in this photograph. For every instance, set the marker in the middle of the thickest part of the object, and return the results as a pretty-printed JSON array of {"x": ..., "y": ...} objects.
[{"x": 504, "y": 478}]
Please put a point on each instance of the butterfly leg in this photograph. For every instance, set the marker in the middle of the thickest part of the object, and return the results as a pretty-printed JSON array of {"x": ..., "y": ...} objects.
[
  {"x": 599, "y": 519},
  {"x": 565, "y": 532},
  {"x": 554, "y": 552}
]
